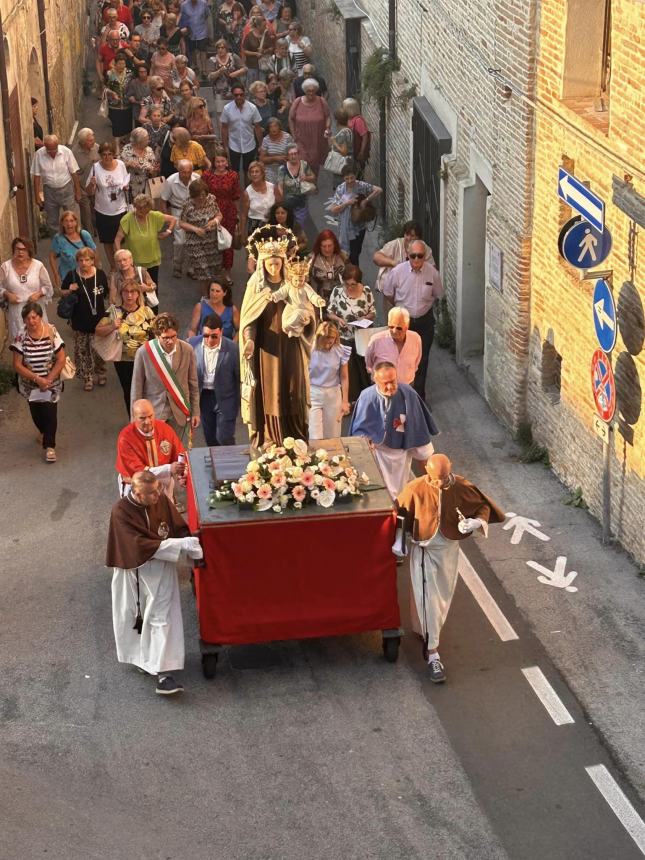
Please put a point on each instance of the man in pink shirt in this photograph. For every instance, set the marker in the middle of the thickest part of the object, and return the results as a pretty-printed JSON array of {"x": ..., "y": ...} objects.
[{"x": 398, "y": 345}]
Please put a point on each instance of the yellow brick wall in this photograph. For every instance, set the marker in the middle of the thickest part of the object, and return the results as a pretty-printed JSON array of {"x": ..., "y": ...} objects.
[{"x": 561, "y": 304}]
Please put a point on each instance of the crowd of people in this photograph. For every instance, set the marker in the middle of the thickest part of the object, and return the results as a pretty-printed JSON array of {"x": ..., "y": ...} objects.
[{"x": 220, "y": 126}]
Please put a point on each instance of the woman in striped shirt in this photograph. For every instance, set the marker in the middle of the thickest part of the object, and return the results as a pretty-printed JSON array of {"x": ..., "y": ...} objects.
[{"x": 39, "y": 357}]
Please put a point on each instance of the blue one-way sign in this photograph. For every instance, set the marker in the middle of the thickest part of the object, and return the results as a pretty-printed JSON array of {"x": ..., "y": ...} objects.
[
  {"x": 580, "y": 198},
  {"x": 604, "y": 316}
]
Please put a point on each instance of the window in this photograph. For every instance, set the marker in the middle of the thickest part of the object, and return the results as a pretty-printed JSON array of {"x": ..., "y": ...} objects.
[
  {"x": 392, "y": 28},
  {"x": 587, "y": 61}
]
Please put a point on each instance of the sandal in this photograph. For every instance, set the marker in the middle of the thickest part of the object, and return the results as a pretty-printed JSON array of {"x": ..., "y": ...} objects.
[
  {"x": 101, "y": 381},
  {"x": 50, "y": 455},
  {"x": 89, "y": 385}
]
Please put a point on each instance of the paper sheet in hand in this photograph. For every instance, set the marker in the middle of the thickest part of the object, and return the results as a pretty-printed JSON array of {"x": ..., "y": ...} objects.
[
  {"x": 363, "y": 336},
  {"x": 38, "y": 396},
  {"x": 361, "y": 323}
]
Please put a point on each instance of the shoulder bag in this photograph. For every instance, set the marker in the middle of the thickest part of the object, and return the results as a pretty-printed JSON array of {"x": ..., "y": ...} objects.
[
  {"x": 68, "y": 370},
  {"x": 264, "y": 62},
  {"x": 66, "y": 305},
  {"x": 335, "y": 162}
]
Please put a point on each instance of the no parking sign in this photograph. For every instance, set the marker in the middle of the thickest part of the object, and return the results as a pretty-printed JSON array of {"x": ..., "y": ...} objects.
[{"x": 603, "y": 385}]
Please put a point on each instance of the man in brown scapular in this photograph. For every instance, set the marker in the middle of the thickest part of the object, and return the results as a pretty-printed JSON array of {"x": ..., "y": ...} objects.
[{"x": 440, "y": 509}]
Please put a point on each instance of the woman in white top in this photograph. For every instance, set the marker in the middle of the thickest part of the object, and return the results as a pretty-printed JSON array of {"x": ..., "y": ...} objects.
[
  {"x": 329, "y": 380},
  {"x": 109, "y": 182},
  {"x": 22, "y": 280},
  {"x": 300, "y": 49},
  {"x": 257, "y": 199}
]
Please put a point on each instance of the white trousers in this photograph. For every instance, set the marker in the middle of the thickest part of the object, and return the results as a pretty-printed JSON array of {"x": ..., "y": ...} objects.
[
  {"x": 160, "y": 646},
  {"x": 324, "y": 415},
  {"x": 439, "y": 560},
  {"x": 395, "y": 464}
]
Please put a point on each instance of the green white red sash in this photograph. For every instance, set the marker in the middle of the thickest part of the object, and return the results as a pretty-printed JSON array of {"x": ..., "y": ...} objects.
[{"x": 167, "y": 375}]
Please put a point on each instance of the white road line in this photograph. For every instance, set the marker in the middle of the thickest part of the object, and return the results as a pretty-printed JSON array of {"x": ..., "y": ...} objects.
[
  {"x": 624, "y": 811},
  {"x": 481, "y": 594},
  {"x": 547, "y": 695}
]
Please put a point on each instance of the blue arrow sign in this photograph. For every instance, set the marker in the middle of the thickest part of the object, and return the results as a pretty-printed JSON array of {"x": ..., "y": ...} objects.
[
  {"x": 584, "y": 246},
  {"x": 604, "y": 316},
  {"x": 578, "y": 196}
]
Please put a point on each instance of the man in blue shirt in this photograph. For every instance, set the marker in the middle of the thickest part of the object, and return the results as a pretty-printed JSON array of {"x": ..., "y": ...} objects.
[{"x": 193, "y": 22}]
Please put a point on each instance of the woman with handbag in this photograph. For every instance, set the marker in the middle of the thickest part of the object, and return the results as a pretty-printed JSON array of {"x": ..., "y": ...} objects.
[
  {"x": 125, "y": 270},
  {"x": 124, "y": 329},
  {"x": 341, "y": 144},
  {"x": 87, "y": 288},
  {"x": 39, "y": 359},
  {"x": 140, "y": 232},
  {"x": 140, "y": 161},
  {"x": 295, "y": 181},
  {"x": 200, "y": 219},
  {"x": 310, "y": 125},
  {"x": 108, "y": 184},
  {"x": 353, "y": 204},
  {"x": 69, "y": 239},
  {"x": 224, "y": 184},
  {"x": 23, "y": 279},
  {"x": 257, "y": 48}
]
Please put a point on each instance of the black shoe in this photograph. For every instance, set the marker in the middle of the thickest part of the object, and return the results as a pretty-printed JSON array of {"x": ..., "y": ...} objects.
[
  {"x": 437, "y": 672},
  {"x": 167, "y": 686}
]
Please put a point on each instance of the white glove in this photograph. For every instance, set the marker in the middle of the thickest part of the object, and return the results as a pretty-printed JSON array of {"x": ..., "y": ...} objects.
[
  {"x": 468, "y": 526},
  {"x": 192, "y": 547}
]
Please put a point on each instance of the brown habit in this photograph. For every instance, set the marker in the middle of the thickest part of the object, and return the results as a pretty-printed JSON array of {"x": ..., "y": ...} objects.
[
  {"x": 133, "y": 538},
  {"x": 420, "y": 503}
]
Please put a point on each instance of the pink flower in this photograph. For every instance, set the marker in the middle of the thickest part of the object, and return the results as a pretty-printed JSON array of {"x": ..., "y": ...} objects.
[
  {"x": 299, "y": 493},
  {"x": 325, "y": 470},
  {"x": 307, "y": 479},
  {"x": 264, "y": 492},
  {"x": 278, "y": 481},
  {"x": 275, "y": 466},
  {"x": 328, "y": 484}
]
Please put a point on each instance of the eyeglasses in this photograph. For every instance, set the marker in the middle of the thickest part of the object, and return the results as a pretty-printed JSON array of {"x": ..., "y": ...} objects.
[
  {"x": 146, "y": 17},
  {"x": 168, "y": 337},
  {"x": 416, "y": 256}
]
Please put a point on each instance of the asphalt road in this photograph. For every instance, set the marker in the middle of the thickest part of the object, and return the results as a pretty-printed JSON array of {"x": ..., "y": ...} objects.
[{"x": 310, "y": 749}]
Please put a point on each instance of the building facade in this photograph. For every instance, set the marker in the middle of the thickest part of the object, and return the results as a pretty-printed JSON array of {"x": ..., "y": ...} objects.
[{"x": 490, "y": 98}]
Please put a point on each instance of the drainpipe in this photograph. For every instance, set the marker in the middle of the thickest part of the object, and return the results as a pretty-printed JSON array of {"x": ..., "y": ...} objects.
[
  {"x": 4, "y": 101},
  {"x": 382, "y": 154},
  {"x": 45, "y": 63}
]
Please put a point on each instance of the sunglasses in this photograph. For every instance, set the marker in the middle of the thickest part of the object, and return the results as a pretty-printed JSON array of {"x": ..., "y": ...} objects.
[
  {"x": 416, "y": 256},
  {"x": 146, "y": 17}
]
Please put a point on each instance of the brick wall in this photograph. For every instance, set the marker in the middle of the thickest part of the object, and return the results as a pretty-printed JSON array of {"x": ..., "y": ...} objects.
[{"x": 561, "y": 304}]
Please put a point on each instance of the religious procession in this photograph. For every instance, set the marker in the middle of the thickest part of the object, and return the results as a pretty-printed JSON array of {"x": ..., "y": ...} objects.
[{"x": 321, "y": 371}]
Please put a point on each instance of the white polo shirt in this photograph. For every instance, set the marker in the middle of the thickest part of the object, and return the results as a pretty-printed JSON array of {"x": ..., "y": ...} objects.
[
  {"x": 57, "y": 171},
  {"x": 175, "y": 193}
]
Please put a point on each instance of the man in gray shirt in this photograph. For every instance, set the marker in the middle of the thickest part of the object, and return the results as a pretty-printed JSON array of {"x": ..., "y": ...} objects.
[
  {"x": 86, "y": 153},
  {"x": 241, "y": 129}
]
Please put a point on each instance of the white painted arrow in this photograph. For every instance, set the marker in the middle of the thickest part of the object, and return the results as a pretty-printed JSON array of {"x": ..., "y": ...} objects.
[
  {"x": 583, "y": 203},
  {"x": 521, "y": 525},
  {"x": 556, "y": 577},
  {"x": 603, "y": 318}
]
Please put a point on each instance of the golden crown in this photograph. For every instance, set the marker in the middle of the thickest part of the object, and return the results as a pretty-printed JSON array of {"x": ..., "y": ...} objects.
[
  {"x": 300, "y": 267},
  {"x": 258, "y": 246}
]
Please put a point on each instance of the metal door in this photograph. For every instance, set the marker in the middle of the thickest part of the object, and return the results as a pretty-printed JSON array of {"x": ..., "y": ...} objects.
[
  {"x": 430, "y": 140},
  {"x": 353, "y": 57}
]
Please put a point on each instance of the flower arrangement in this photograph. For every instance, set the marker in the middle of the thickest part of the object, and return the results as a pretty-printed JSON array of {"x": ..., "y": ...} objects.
[{"x": 291, "y": 476}]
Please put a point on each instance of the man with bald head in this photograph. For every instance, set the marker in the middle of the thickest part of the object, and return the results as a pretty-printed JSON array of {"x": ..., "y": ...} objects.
[
  {"x": 439, "y": 510},
  {"x": 174, "y": 196},
  {"x": 398, "y": 345},
  {"x": 149, "y": 444},
  {"x": 416, "y": 285},
  {"x": 57, "y": 187}
]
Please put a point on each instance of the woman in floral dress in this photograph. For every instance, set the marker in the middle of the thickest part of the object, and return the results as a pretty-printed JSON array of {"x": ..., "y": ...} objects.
[
  {"x": 350, "y": 302},
  {"x": 140, "y": 160},
  {"x": 224, "y": 183},
  {"x": 200, "y": 219}
]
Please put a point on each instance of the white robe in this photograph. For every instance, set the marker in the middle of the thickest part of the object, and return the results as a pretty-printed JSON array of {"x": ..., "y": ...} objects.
[
  {"x": 396, "y": 463},
  {"x": 160, "y": 645},
  {"x": 162, "y": 473},
  {"x": 440, "y": 559}
]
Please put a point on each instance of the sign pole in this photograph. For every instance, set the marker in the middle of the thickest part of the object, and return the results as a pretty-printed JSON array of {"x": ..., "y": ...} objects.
[{"x": 606, "y": 487}]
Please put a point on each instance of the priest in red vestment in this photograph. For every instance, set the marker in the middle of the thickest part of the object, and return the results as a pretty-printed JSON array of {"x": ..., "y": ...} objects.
[{"x": 150, "y": 444}]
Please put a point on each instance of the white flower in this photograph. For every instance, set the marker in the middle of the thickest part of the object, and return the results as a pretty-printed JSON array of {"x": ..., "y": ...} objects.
[
  {"x": 335, "y": 460},
  {"x": 300, "y": 448},
  {"x": 253, "y": 466},
  {"x": 318, "y": 479},
  {"x": 246, "y": 486},
  {"x": 321, "y": 454},
  {"x": 277, "y": 509},
  {"x": 365, "y": 478},
  {"x": 297, "y": 505},
  {"x": 250, "y": 497},
  {"x": 314, "y": 494},
  {"x": 288, "y": 442},
  {"x": 326, "y": 499},
  {"x": 264, "y": 504}
]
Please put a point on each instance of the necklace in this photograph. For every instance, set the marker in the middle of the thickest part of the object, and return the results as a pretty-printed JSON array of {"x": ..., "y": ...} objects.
[
  {"x": 95, "y": 293},
  {"x": 145, "y": 229}
]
